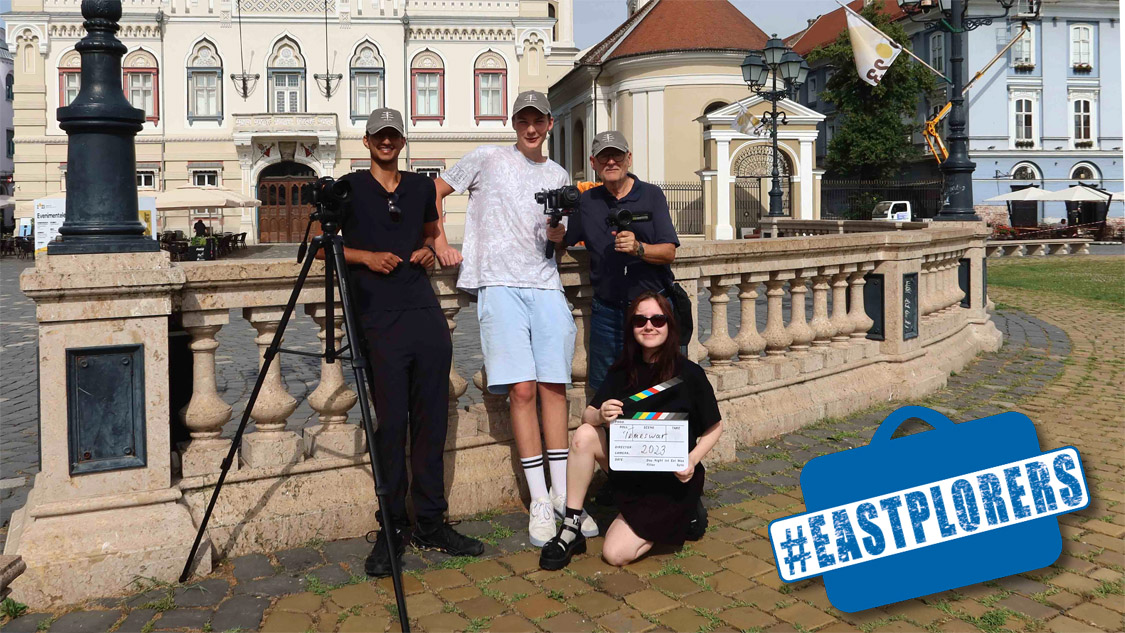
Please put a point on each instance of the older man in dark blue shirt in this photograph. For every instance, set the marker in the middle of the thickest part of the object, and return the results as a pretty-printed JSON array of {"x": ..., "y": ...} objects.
[{"x": 624, "y": 260}]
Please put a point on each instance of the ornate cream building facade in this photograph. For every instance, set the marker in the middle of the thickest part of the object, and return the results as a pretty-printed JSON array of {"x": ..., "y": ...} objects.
[{"x": 235, "y": 91}]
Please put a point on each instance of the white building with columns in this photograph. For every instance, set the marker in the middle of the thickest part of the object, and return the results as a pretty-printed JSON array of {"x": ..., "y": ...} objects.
[
  {"x": 453, "y": 67},
  {"x": 670, "y": 78}
]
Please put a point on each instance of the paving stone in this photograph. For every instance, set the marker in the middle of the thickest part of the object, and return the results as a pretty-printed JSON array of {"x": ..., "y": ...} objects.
[
  {"x": 744, "y": 618},
  {"x": 207, "y": 593},
  {"x": 706, "y": 600},
  {"x": 141, "y": 599},
  {"x": 444, "y": 578},
  {"x": 366, "y": 624},
  {"x": 567, "y": 586},
  {"x": 183, "y": 618},
  {"x": 512, "y": 586},
  {"x": 782, "y": 480},
  {"x": 353, "y": 595},
  {"x": 595, "y": 604},
  {"x": 1094, "y": 614},
  {"x": 252, "y": 566},
  {"x": 485, "y": 570},
  {"x": 507, "y": 624},
  {"x": 756, "y": 490},
  {"x": 421, "y": 604},
  {"x": 299, "y": 559},
  {"x": 286, "y": 622},
  {"x": 624, "y": 620},
  {"x": 26, "y": 623},
  {"x": 803, "y": 614},
  {"x": 1075, "y": 583},
  {"x": 683, "y": 619},
  {"x": 136, "y": 620},
  {"x": 301, "y": 603},
  {"x": 460, "y": 594},
  {"x": 271, "y": 586},
  {"x": 443, "y": 622},
  {"x": 240, "y": 612},
  {"x": 481, "y": 607},
  {"x": 725, "y": 477},
  {"x": 539, "y": 606},
  {"x": 85, "y": 621},
  {"x": 1019, "y": 584},
  {"x": 771, "y": 466},
  {"x": 1063, "y": 624},
  {"x": 347, "y": 551},
  {"x": 1028, "y": 607},
  {"x": 570, "y": 622},
  {"x": 331, "y": 575}
]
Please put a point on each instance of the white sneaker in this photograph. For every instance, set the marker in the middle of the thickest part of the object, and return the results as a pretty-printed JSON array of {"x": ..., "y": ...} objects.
[
  {"x": 541, "y": 525},
  {"x": 589, "y": 526}
]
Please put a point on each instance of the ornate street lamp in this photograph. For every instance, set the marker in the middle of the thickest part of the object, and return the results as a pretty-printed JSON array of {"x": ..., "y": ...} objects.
[
  {"x": 779, "y": 61},
  {"x": 951, "y": 16}
]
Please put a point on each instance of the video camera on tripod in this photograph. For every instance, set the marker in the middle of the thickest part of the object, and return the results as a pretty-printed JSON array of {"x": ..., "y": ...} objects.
[
  {"x": 329, "y": 196},
  {"x": 557, "y": 203}
]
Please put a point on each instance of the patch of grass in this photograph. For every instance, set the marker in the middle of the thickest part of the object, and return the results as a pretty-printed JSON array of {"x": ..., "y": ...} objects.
[
  {"x": 991, "y": 621},
  {"x": 713, "y": 621},
  {"x": 314, "y": 543},
  {"x": 478, "y": 624},
  {"x": 498, "y": 533},
  {"x": 147, "y": 628},
  {"x": 12, "y": 609},
  {"x": 487, "y": 515},
  {"x": 353, "y": 610},
  {"x": 1092, "y": 278},
  {"x": 455, "y": 562},
  {"x": 555, "y": 594},
  {"x": 207, "y": 627},
  {"x": 46, "y": 623},
  {"x": 1108, "y": 588},
  {"x": 315, "y": 585}
]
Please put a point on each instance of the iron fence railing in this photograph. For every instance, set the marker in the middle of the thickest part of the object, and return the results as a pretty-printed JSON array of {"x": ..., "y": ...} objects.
[
  {"x": 685, "y": 201},
  {"x": 854, "y": 199}
]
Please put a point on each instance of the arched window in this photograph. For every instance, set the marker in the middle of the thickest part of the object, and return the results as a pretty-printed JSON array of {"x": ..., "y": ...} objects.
[
  {"x": 1026, "y": 171},
  {"x": 142, "y": 83},
  {"x": 367, "y": 80},
  {"x": 491, "y": 82},
  {"x": 1085, "y": 172},
  {"x": 579, "y": 158},
  {"x": 552, "y": 13},
  {"x": 1082, "y": 47},
  {"x": 70, "y": 77},
  {"x": 205, "y": 83},
  {"x": 9, "y": 86},
  {"x": 285, "y": 71},
  {"x": 427, "y": 95}
]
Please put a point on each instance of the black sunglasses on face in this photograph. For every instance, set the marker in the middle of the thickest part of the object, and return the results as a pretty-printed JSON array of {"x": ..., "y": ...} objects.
[{"x": 640, "y": 320}]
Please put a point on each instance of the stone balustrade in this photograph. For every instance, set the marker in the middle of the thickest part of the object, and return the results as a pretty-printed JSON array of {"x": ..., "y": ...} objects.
[
  {"x": 1036, "y": 248},
  {"x": 823, "y": 325},
  {"x": 786, "y": 227}
]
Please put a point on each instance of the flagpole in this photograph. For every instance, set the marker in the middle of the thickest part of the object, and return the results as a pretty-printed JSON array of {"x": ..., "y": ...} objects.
[{"x": 901, "y": 47}]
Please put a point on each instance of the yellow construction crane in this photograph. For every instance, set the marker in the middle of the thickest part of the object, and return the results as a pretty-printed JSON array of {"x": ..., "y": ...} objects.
[{"x": 930, "y": 127}]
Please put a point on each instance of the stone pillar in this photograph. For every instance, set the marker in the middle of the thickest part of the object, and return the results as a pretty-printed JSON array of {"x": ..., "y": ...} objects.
[
  {"x": 206, "y": 413},
  {"x": 798, "y": 329},
  {"x": 750, "y": 343},
  {"x": 332, "y": 398},
  {"x": 696, "y": 351},
  {"x": 271, "y": 444},
  {"x": 840, "y": 321},
  {"x": 103, "y": 505},
  {"x": 858, "y": 315},
  {"x": 724, "y": 221},
  {"x": 457, "y": 384},
  {"x": 777, "y": 338},
  {"x": 821, "y": 326},
  {"x": 721, "y": 348}
]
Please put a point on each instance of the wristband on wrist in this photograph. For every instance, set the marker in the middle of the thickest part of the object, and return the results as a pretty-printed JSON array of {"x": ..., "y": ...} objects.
[{"x": 431, "y": 249}]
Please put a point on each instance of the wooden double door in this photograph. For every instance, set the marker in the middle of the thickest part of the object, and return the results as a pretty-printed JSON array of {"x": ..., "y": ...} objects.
[{"x": 282, "y": 216}]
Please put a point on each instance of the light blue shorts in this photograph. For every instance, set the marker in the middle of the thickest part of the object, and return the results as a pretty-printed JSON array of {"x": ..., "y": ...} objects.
[{"x": 525, "y": 334}]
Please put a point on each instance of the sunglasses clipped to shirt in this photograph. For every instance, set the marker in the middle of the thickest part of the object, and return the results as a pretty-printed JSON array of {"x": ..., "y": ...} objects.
[
  {"x": 639, "y": 321},
  {"x": 392, "y": 207}
]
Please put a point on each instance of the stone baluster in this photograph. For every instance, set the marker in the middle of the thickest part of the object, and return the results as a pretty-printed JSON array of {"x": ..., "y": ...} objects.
[
  {"x": 332, "y": 398},
  {"x": 926, "y": 288},
  {"x": 457, "y": 385},
  {"x": 955, "y": 275},
  {"x": 799, "y": 330},
  {"x": 775, "y": 334},
  {"x": 206, "y": 413},
  {"x": 750, "y": 343},
  {"x": 721, "y": 348},
  {"x": 821, "y": 325},
  {"x": 840, "y": 320},
  {"x": 582, "y": 301},
  {"x": 948, "y": 283},
  {"x": 858, "y": 315},
  {"x": 271, "y": 445}
]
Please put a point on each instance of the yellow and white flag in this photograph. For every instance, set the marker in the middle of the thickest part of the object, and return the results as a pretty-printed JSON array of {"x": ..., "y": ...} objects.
[
  {"x": 747, "y": 123},
  {"x": 874, "y": 52}
]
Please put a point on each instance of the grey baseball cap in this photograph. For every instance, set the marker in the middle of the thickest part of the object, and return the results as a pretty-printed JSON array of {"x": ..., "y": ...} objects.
[
  {"x": 532, "y": 99},
  {"x": 611, "y": 139},
  {"x": 381, "y": 118}
]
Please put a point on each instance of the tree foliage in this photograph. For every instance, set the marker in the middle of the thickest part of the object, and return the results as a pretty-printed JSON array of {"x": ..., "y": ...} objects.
[{"x": 874, "y": 123}]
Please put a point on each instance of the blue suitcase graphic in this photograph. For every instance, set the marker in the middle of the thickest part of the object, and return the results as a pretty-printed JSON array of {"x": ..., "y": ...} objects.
[{"x": 947, "y": 451}]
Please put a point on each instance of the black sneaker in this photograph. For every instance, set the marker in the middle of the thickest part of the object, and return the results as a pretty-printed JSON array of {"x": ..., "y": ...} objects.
[
  {"x": 698, "y": 526},
  {"x": 378, "y": 563},
  {"x": 557, "y": 553},
  {"x": 446, "y": 539}
]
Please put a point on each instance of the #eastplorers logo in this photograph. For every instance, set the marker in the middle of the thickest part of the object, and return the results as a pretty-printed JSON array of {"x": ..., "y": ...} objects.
[{"x": 903, "y": 518}]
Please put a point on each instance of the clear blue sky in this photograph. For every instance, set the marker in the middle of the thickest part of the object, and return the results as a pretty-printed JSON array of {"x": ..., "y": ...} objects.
[{"x": 595, "y": 19}]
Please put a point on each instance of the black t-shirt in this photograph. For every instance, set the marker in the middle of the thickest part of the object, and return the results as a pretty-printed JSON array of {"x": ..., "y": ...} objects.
[
  {"x": 694, "y": 396},
  {"x": 368, "y": 226},
  {"x": 619, "y": 277}
]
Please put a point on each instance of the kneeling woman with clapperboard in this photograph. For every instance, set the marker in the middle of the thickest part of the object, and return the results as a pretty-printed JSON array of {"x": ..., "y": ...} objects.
[{"x": 648, "y": 427}]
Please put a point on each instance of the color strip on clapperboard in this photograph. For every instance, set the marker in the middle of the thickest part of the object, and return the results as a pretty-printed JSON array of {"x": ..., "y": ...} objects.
[
  {"x": 652, "y": 391},
  {"x": 656, "y": 415}
]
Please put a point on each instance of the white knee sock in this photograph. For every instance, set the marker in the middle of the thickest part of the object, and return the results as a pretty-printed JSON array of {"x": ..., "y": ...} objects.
[
  {"x": 556, "y": 459},
  {"x": 533, "y": 471}
]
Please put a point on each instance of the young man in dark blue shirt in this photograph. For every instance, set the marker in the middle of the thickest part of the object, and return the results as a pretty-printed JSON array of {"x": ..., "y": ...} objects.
[
  {"x": 625, "y": 262},
  {"x": 389, "y": 228}
]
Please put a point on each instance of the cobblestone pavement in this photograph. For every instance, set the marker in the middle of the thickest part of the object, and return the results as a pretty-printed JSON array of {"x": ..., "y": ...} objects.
[{"x": 1069, "y": 380}]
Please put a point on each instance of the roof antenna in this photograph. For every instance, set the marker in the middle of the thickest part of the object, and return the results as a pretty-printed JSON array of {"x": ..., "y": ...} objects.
[
  {"x": 324, "y": 81},
  {"x": 244, "y": 82}
]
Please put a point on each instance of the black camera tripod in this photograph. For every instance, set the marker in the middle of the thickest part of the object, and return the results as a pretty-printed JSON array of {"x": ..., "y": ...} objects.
[{"x": 328, "y": 194}]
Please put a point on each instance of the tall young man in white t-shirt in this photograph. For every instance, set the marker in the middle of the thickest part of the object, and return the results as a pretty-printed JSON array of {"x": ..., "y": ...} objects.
[{"x": 526, "y": 329}]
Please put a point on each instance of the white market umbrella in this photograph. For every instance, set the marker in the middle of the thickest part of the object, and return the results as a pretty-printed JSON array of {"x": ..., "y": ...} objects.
[
  {"x": 193, "y": 197},
  {"x": 1029, "y": 193},
  {"x": 1078, "y": 194}
]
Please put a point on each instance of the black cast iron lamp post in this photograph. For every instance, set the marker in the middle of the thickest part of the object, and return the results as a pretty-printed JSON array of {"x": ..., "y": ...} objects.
[
  {"x": 952, "y": 17},
  {"x": 776, "y": 60},
  {"x": 101, "y": 159}
]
